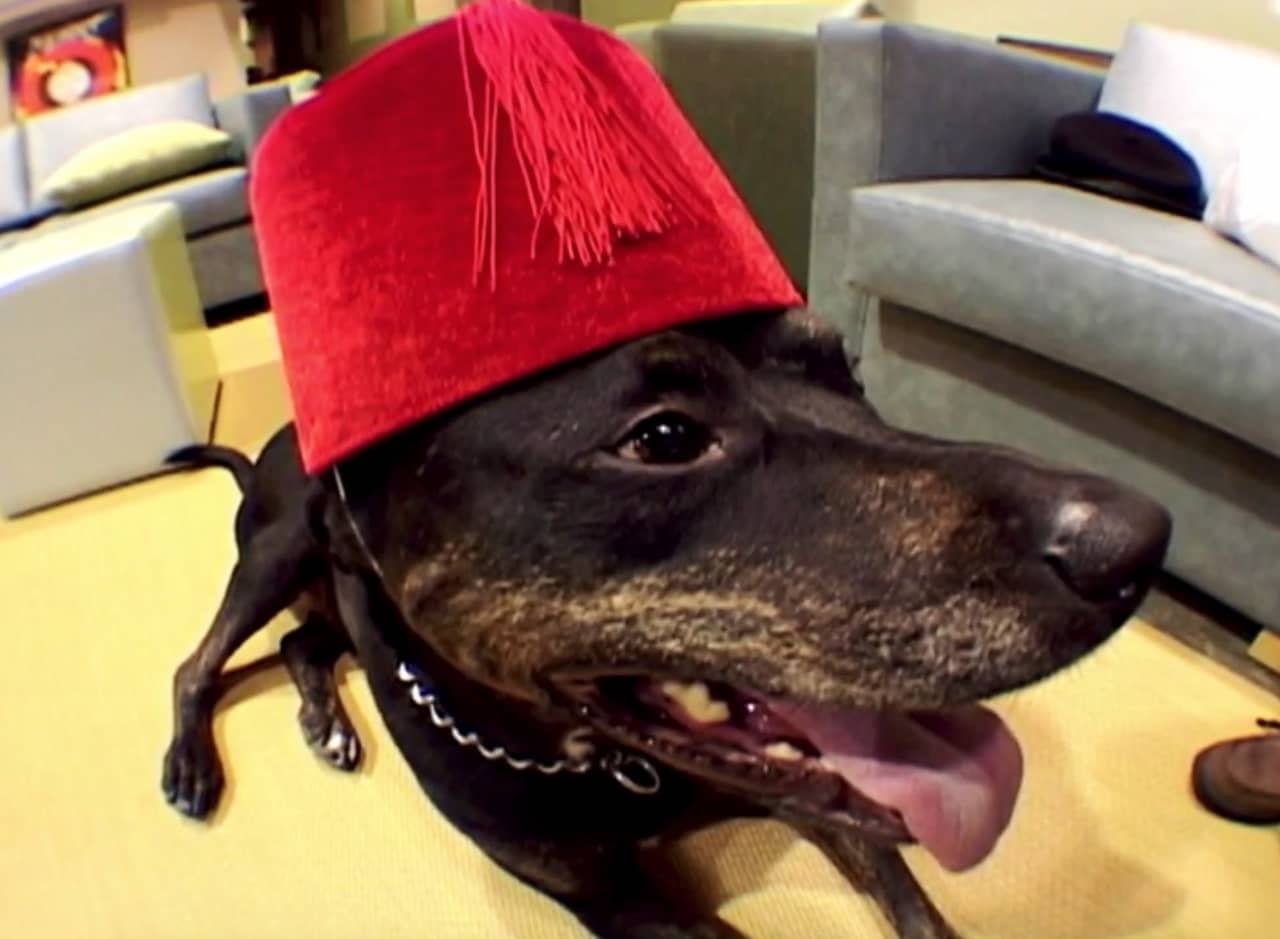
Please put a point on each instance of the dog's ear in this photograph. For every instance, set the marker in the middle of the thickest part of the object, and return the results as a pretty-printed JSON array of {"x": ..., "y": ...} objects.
[
  {"x": 378, "y": 500},
  {"x": 801, "y": 342},
  {"x": 334, "y": 526},
  {"x": 352, "y": 517}
]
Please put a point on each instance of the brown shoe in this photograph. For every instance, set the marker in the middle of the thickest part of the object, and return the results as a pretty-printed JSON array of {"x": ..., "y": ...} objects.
[{"x": 1240, "y": 779}]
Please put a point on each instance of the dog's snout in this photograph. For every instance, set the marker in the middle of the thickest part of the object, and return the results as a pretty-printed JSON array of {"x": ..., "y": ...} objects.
[{"x": 1106, "y": 542}]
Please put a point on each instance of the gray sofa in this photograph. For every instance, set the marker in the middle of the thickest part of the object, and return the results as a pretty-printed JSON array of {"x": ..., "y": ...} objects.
[
  {"x": 213, "y": 202},
  {"x": 749, "y": 91},
  {"x": 985, "y": 305}
]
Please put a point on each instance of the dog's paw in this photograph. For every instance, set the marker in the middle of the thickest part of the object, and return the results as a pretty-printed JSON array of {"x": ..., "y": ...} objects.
[
  {"x": 332, "y": 738},
  {"x": 192, "y": 778}
]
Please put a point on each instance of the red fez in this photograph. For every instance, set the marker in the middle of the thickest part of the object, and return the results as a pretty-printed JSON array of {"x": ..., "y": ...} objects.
[{"x": 492, "y": 195}]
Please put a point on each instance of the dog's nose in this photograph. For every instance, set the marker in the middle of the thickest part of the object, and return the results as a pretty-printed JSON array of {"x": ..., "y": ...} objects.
[{"x": 1106, "y": 542}]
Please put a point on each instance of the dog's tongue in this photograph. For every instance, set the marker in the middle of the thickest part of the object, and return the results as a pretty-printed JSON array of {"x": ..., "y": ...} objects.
[{"x": 953, "y": 776}]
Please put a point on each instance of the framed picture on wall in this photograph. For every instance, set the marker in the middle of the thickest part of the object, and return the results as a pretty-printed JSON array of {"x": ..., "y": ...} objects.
[{"x": 72, "y": 61}]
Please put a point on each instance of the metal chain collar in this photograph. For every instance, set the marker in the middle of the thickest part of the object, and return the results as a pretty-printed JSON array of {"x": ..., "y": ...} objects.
[{"x": 633, "y": 773}]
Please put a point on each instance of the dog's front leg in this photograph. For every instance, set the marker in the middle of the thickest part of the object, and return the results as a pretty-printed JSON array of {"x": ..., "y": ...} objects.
[
  {"x": 881, "y": 872},
  {"x": 608, "y": 890},
  {"x": 636, "y": 908}
]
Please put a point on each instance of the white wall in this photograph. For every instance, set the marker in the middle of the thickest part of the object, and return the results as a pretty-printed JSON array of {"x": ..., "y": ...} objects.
[
  {"x": 1093, "y": 23},
  {"x": 169, "y": 38}
]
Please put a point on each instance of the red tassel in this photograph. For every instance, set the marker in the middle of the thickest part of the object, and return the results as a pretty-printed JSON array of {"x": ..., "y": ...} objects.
[{"x": 588, "y": 164}]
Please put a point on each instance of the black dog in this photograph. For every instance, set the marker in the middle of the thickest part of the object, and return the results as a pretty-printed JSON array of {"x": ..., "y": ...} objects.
[{"x": 688, "y": 579}]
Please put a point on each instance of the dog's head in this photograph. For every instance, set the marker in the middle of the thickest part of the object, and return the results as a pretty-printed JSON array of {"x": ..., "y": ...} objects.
[{"x": 708, "y": 544}]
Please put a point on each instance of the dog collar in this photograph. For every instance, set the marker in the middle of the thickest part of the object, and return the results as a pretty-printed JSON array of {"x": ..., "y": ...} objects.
[{"x": 633, "y": 773}]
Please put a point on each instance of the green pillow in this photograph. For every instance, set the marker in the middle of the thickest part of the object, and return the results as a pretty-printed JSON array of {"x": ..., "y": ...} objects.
[{"x": 135, "y": 159}]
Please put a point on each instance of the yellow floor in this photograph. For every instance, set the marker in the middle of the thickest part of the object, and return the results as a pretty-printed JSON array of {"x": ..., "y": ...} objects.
[{"x": 101, "y": 598}]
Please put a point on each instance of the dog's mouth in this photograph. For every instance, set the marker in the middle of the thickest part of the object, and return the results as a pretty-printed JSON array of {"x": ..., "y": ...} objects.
[{"x": 947, "y": 779}]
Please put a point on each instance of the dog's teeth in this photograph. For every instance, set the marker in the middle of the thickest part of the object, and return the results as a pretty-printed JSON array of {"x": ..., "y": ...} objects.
[
  {"x": 696, "y": 701},
  {"x": 781, "y": 750},
  {"x": 577, "y": 745}
]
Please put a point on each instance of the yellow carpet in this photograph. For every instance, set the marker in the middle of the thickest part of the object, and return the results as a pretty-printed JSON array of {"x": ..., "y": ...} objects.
[{"x": 100, "y": 599}]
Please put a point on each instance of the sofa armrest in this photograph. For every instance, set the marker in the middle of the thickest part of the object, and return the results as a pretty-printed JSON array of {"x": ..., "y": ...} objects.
[
  {"x": 899, "y": 102},
  {"x": 246, "y": 116},
  {"x": 610, "y": 14},
  {"x": 643, "y": 37},
  {"x": 749, "y": 91}
]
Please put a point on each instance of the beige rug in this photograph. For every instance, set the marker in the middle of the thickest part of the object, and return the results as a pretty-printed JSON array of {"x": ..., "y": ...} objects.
[{"x": 100, "y": 599}]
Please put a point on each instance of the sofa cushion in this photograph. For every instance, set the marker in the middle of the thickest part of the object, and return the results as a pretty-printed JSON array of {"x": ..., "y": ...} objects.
[
  {"x": 55, "y": 137},
  {"x": 206, "y": 202},
  {"x": 135, "y": 158},
  {"x": 1157, "y": 304},
  {"x": 13, "y": 236}
]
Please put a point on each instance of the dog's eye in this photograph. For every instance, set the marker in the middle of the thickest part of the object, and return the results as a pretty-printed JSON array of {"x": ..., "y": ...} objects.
[{"x": 666, "y": 438}]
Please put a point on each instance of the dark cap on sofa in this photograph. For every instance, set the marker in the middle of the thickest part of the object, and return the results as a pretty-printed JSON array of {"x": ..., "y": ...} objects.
[{"x": 1118, "y": 157}]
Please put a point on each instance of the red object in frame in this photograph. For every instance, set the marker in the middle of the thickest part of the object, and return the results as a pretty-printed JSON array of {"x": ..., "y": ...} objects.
[
  {"x": 490, "y": 196},
  {"x": 68, "y": 72}
]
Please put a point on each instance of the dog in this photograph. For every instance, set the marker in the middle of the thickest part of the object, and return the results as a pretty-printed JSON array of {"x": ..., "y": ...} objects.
[{"x": 690, "y": 578}]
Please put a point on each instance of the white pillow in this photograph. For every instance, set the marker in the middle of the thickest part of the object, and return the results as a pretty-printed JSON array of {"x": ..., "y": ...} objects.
[
  {"x": 1200, "y": 91},
  {"x": 1246, "y": 202}
]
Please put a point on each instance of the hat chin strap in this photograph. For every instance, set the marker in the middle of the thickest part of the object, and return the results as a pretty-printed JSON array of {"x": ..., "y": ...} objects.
[
  {"x": 633, "y": 773},
  {"x": 355, "y": 528}
]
